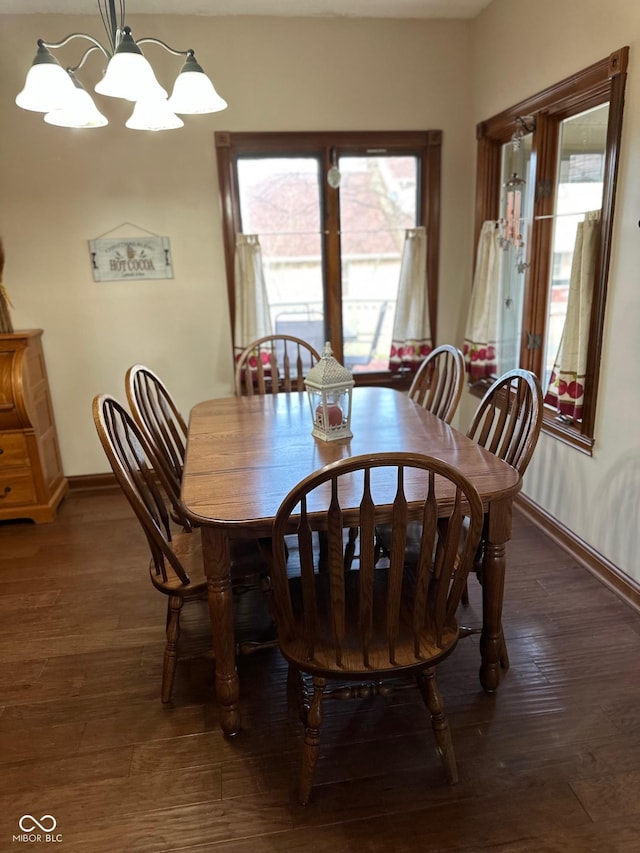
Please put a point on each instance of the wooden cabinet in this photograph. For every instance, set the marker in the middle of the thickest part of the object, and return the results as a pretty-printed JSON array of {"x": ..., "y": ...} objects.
[{"x": 31, "y": 480}]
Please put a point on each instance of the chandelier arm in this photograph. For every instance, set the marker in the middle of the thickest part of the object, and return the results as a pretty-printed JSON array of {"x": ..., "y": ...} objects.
[
  {"x": 56, "y": 44},
  {"x": 150, "y": 40},
  {"x": 84, "y": 56}
]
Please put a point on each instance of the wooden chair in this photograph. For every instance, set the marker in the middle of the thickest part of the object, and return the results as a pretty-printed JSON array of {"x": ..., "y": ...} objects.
[
  {"x": 508, "y": 418},
  {"x": 438, "y": 384},
  {"x": 507, "y": 422},
  {"x": 437, "y": 387},
  {"x": 272, "y": 364},
  {"x": 372, "y": 623},
  {"x": 176, "y": 566},
  {"x": 159, "y": 419}
]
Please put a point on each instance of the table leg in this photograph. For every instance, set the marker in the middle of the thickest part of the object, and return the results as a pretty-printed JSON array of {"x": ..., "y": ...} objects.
[
  {"x": 493, "y": 566},
  {"x": 492, "y": 646},
  {"x": 217, "y": 564}
]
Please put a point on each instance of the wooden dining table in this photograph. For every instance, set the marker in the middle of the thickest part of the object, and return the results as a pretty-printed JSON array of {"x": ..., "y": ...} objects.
[{"x": 243, "y": 456}]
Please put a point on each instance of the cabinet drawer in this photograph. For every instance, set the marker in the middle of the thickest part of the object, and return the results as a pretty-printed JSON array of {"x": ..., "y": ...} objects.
[
  {"x": 13, "y": 451},
  {"x": 16, "y": 487}
]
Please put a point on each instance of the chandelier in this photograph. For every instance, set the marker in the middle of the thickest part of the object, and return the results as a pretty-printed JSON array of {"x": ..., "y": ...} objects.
[{"x": 58, "y": 93}]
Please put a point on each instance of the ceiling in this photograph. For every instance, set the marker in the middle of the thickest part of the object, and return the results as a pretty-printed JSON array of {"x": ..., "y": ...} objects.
[{"x": 287, "y": 8}]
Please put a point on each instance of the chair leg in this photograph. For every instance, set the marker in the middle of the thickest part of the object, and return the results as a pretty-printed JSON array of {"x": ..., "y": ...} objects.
[
  {"x": 477, "y": 568},
  {"x": 296, "y": 693},
  {"x": 267, "y": 591},
  {"x": 323, "y": 551},
  {"x": 171, "y": 649},
  {"x": 504, "y": 654},
  {"x": 350, "y": 548},
  {"x": 378, "y": 550},
  {"x": 439, "y": 723},
  {"x": 477, "y": 562},
  {"x": 311, "y": 745}
]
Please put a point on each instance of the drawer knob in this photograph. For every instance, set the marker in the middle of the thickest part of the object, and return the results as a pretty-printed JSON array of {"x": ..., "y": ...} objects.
[
  {"x": 7, "y": 489},
  {"x": 1, "y": 451}
]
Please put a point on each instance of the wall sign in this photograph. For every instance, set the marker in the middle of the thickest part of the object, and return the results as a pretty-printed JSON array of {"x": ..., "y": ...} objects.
[{"x": 121, "y": 258}]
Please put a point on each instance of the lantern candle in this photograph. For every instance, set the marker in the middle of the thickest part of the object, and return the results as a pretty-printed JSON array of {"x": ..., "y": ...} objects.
[{"x": 333, "y": 416}]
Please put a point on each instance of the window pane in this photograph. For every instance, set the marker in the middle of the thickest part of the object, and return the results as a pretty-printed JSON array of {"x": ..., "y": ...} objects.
[
  {"x": 577, "y": 143},
  {"x": 378, "y": 201},
  {"x": 516, "y": 210},
  {"x": 280, "y": 202},
  {"x": 582, "y": 147}
]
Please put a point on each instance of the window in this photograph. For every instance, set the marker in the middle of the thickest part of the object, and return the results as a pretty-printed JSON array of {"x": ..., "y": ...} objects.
[
  {"x": 546, "y": 172},
  {"x": 331, "y": 211}
]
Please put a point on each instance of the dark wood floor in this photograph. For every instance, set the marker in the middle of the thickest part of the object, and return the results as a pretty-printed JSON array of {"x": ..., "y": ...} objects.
[{"x": 550, "y": 763}]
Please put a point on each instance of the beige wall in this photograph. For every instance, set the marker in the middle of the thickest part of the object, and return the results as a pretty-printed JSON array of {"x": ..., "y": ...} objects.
[
  {"x": 521, "y": 48},
  {"x": 61, "y": 188}
]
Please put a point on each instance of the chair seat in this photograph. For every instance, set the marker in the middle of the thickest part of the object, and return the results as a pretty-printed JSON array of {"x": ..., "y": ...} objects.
[
  {"x": 404, "y": 662},
  {"x": 321, "y": 660},
  {"x": 188, "y": 549},
  {"x": 247, "y": 563}
]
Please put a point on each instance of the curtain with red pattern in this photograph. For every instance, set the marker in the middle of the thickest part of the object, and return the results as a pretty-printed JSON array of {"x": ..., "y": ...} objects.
[
  {"x": 411, "y": 339},
  {"x": 252, "y": 316},
  {"x": 566, "y": 386},
  {"x": 481, "y": 333}
]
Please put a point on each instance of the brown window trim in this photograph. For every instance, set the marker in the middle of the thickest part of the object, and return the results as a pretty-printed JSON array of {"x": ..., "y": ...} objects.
[
  {"x": 601, "y": 82},
  {"x": 426, "y": 145}
]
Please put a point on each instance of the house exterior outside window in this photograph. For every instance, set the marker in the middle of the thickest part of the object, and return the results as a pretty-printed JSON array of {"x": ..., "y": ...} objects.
[
  {"x": 331, "y": 211},
  {"x": 568, "y": 160}
]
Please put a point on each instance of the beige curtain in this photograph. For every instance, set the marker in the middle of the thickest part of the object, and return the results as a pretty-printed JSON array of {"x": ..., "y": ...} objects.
[
  {"x": 252, "y": 317},
  {"x": 566, "y": 386},
  {"x": 481, "y": 333},
  {"x": 411, "y": 340}
]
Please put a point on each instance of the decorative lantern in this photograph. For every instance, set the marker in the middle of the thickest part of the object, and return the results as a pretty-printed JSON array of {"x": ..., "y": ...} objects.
[{"x": 329, "y": 386}]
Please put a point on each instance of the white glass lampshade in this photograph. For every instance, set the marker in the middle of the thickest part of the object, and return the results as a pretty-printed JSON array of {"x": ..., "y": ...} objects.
[
  {"x": 47, "y": 87},
  {"x": 129, "y": 75},
  {"x": 153, "y": 114},
  {"x": 80, "y": 111},
  {"x": 193, "y": 92}
]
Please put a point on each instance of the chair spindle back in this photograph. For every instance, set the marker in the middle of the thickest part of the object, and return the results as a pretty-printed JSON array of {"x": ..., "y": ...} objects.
[
  {"x": 438, "y": 384},
  {"x": 371, "y": 619},
  {"x": 508, "y": 419},
  {"x": 137, "y": 472},
  {"x": 272, "y": 364},
  {"x": 157, "y": 415}
]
